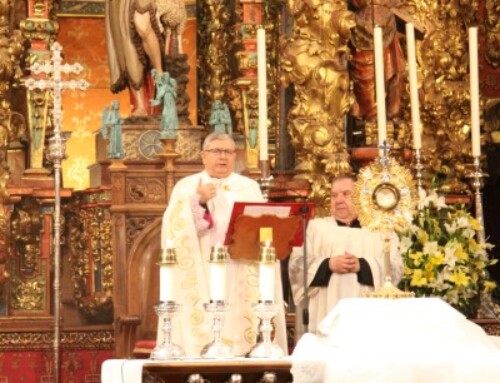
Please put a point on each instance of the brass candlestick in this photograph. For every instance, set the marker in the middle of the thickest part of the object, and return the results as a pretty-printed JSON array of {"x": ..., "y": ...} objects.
[
  {"x": 265, "y": 181},
  {"x": 419, "y": 167},
  {"x": 477, "y": 176}
]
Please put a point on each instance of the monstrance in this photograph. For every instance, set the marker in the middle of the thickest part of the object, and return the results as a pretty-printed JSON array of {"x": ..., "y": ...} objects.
[{"x": 385, "y": 197}]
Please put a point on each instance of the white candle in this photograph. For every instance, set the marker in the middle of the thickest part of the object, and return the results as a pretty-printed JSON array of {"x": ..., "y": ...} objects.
[
  {"x": 169, "y": 244},
  {"x": 267, "y": 281},
  {"x": 412, "y": 68},
  {"x": 166, "y": 283},
  {"x": 218, "y": 281},
  {"x": 380, "y": 85},
  {"x": 474, "y": 92},
  {"x": 262, "y": 88}
]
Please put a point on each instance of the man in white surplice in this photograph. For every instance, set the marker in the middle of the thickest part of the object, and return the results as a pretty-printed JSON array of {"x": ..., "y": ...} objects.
[
  {"x": 196, "y": 219},
  {"x": 343, "y": 259}
]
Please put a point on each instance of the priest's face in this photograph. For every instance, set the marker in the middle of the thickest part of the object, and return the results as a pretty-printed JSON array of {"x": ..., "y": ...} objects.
[
  {"x": 218, "y": 158},
  {"x": 342, "y": 207}
]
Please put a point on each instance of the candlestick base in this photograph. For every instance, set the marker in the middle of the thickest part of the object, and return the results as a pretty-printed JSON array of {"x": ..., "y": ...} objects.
[
  {"x": 266, "y": 311},
  {"x": 477, "y": 175},
  {"x": 168, "y": 349},
  {"x": 217, "y": 349}
]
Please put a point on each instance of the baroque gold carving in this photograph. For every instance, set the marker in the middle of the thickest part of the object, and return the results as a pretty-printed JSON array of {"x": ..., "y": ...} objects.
[
  {"x": 445, "y": 111},
  {"x": 314, "y": 61},
  {"x": 11, "y": 123},
  {"x": 40, "y": 26},
  {"x": 28, "y": 286},
  {"x": 100, "y": 339},
  {"x": 91, "y": 256},
  {"x": 28, "y": 295},
  {"x": 492, "y": 32},
  {"x": 26, "y": 226},
  {"x": 216, "y": 43}
]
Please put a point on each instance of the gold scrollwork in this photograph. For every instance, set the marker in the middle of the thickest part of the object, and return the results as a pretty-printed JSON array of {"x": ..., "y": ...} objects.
[
  {"x": 89, "y": 225},
  {"x": 28, "y": 295},
  {"x": 216, "y": 41},
  {"x": 492, "y": 31},
  {"x": 11, "y": 123},
  {"x": 313, "y": 60}
]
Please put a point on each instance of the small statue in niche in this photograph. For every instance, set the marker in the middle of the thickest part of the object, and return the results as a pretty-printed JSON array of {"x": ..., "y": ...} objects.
[
  {"x": 220, "y": 118},
  {"x": 111, "y": 120},
  {"x": 166, "y": 93}
]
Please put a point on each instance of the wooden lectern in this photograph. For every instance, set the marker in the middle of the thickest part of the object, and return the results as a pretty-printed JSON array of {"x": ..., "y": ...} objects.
[{"x": 286, "y": 220}]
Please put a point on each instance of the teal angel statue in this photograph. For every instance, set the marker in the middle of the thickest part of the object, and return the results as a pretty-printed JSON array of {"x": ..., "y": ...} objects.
[
  {"x": 166, "y": 93},
  {"x": 112, "y": 121},
  {"x": 220, "y": 118}
]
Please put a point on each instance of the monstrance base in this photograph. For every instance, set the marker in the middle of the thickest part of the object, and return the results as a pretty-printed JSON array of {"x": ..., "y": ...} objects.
[{"x": 389, "y": 291}]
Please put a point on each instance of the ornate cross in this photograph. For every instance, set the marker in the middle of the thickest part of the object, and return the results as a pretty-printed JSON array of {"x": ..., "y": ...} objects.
[
  {"x": 385, "y": 148},
  {"x": 55, "y": 68},
  {"x": 54, "y": 82}
]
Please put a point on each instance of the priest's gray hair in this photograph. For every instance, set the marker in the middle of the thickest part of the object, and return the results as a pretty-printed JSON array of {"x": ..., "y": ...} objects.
[
  {"x": 344, "y": 176},
  {"x": 216, "y": 136}
]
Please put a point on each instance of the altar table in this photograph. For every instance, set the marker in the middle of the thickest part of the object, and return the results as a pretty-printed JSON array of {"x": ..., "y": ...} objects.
[
  {"x": 413, "y": 340},
  {"x": 244, "y": 370}
]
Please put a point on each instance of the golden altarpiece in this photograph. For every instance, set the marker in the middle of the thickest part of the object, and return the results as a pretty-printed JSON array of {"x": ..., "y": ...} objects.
[{"x": 316, "y": 129}]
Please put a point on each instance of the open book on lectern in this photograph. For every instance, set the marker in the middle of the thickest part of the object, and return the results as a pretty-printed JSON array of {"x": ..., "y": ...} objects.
[{"x": 286, "y": 219}]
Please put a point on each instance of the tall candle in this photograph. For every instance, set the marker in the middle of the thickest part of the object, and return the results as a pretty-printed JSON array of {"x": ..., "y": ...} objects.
[
  {"x": 380, "y": 85},
  {"x": 166, "y": 283},
  {"x": 218, "y": 273},
  {"x": 474, "y": 92},
  {"x": 262, "y": 88},
  {"x": 412, "y": 67},
  {"x": 169, "y": 244},
  {"x": 267, "y": 279},
  {"x": 167, "y": 263}
]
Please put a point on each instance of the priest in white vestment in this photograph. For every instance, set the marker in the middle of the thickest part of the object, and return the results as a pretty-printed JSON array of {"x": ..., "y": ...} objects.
[
  {"x": 343, "y": 259},
  {"x": 196, "y": 219}
]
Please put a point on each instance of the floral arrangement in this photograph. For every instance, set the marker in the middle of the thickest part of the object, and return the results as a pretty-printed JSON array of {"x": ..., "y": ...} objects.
[{"x": 442, "y": 256}]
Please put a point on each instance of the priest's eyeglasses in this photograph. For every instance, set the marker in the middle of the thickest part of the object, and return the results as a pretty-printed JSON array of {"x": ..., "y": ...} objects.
[{"x": 220, "y": 152}]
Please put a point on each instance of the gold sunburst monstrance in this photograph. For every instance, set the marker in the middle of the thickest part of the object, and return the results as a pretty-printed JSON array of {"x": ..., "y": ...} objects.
[{"x": 385, "y": 197}]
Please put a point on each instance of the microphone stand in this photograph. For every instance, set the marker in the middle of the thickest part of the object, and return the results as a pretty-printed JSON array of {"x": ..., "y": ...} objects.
[{"x": 304, "y": 209}]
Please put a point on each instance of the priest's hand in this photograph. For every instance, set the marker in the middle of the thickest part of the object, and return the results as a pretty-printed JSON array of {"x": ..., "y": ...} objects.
[
  {"x": 206, "y": 192},
  {"x": 343, "y": 264}
]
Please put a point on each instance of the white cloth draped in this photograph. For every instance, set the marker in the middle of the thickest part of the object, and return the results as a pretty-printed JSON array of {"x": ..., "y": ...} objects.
[
  {"x": 192, "y": 326},
  {"x": 326, "y": 239},
  {"x": 392, "y": 341}
]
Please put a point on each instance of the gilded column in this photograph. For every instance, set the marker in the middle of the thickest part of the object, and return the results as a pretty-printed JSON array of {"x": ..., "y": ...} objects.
[
  {"x": 314, "y": 61},
  {"x": 40, "y": 29},
  {"x": 215, "y": 44},
  {"x": 11, "y": 123}
]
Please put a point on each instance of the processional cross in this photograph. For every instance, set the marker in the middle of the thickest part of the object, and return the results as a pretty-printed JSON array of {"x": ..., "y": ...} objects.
[{"x": 53, "y": 69}]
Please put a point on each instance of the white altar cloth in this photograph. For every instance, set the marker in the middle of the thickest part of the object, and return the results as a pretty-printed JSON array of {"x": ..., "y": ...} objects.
[
  {"x": 130, "y": 370},
  {"x": 123, "y": 370},
  {"x": 413, "y": 340}
]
